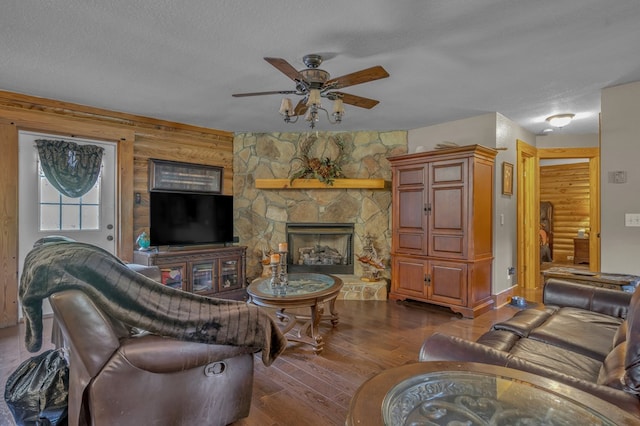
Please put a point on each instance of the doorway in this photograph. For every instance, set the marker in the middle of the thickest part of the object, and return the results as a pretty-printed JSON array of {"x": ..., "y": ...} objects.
[
  {"x": 529, "y": 277},
  {"x": 44, "y": 211}
]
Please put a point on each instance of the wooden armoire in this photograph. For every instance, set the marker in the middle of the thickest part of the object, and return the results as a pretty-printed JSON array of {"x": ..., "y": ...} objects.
[{"x": 442, "y": 213}]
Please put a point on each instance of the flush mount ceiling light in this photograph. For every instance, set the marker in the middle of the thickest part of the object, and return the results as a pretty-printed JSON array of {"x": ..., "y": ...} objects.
[{"x": 560, "y": 120}]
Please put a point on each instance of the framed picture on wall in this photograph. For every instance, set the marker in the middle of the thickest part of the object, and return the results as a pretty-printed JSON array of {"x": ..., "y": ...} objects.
[
  {"x": 184, "y": 177},
  {"x": 507, "y": 178}
]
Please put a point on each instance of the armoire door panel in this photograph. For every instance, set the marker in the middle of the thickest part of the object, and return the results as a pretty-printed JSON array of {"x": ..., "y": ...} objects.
[
  {"x": 409, "y": 277},
  {"x": 412, "y": 213},
  {"x": 447, "y": 209},
  {"x": 447, "y": 244},
  {"x": 448, "y": 283},
  {"x": 411, "y": 176},
  {"x": 445, "y": 172},
  {"x": 410, "y": 242}
]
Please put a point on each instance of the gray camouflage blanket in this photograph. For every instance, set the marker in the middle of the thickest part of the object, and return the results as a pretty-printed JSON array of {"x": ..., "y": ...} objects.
[{"x": 139, "y": 301}]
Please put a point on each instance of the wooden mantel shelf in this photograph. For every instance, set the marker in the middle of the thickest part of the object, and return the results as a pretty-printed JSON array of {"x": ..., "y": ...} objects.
[{"x": 316, "y": 184}]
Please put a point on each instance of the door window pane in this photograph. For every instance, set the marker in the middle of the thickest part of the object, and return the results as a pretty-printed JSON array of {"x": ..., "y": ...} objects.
[
  {"x": 48, "y": 194},
  {"x": 70, "y": 217},
  {"x": 61, "y": 213},
  {"x": 93, "y": 196},
  {"x": 89, "y": 217},
  {"x": 49, "y": 217}
]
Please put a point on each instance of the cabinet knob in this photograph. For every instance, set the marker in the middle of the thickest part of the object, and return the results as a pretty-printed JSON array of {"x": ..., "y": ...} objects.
[
  {"x": 427, "y": 208},
  {"x": 427, "y": 280}
]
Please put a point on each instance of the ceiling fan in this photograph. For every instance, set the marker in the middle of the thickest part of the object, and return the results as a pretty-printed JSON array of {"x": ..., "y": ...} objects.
[{"x": 313, "y": 84}]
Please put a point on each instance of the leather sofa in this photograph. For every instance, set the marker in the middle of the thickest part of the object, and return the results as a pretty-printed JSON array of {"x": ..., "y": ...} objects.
[
  {"x": 584, "y": 336},
  {"x": 121, "y": 376}
]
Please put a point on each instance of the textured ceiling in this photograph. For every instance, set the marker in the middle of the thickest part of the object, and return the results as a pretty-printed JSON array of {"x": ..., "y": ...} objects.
[{"x": 448, "y": 59}]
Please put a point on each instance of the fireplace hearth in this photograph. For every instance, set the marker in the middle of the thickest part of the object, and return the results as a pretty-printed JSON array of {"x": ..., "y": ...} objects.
[{"x": 320, "y": 247}]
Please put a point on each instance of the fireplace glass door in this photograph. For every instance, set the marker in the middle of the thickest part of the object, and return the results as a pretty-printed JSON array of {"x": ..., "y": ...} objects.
[{"x": 320, "y": 248}]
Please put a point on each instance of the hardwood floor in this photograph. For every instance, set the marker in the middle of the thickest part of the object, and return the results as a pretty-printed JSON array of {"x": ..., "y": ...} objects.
[{"x": 301, "y": 388}]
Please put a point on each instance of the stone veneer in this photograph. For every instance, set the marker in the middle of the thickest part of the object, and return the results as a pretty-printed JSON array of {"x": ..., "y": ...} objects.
[
  {"x": 353, "y": 288},
  {"x": 262, "y": 214}
]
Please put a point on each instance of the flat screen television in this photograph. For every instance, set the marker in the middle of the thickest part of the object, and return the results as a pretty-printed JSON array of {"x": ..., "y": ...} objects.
[{"x": 179, "y": 219}]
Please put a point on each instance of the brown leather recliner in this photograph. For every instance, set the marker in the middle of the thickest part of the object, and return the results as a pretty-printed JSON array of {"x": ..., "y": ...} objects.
[{"x": 118, "y": 377}]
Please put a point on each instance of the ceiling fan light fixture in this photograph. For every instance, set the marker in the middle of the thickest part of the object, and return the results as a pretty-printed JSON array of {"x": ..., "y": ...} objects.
[
  {"x": 314, "y": 98},
  {"x": 312, "y": 116},
  {"x": 287, "y": 111},
  {"x": 560, "y": 120},
  {"x": 338, "y": 109},
  {"x": 286, "y": 107}
]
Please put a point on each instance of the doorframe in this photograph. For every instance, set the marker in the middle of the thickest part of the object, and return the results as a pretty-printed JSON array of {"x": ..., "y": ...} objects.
[
  {"x": 11, "y": 123},
  {"x": 593, "y": 154},
  {"x": 528, "y": 196},
  {"x": 528, "y": 199}
]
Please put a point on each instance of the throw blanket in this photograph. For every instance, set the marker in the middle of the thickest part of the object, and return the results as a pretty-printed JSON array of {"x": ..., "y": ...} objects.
[{"x": 139, "y": 301}]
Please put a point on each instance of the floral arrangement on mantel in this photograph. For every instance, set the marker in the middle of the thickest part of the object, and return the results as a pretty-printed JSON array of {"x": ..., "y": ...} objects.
[{"x": 325, "y": 169}]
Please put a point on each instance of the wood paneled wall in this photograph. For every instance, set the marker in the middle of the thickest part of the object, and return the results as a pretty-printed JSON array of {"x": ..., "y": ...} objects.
[
  {"x": 181, "y": 146},
  {"x": 566, "y": 186},
  {"x": 139, "y": 138}
]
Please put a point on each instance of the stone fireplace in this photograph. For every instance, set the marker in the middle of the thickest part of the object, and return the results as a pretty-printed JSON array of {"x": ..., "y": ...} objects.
[
  {"x": 262, "y": 215},
  {"x": 320, "y": 247}
]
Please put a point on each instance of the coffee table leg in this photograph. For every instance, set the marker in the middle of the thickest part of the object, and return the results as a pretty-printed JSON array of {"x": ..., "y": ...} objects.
[
  {"x": 316, "y": 314},
  {"x": 288, "y": 319},
  {"x": 334, "y": 314}
]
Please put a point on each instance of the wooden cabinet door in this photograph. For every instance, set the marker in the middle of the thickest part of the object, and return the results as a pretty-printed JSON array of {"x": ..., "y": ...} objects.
[
  {"x": 229, "y": 273},
  {"x": 447, "y": 283},
  {"x": 409, "y": 277},
  {"x": 204, "y": 276},
  {"x": 174, "y": 274},
  {"x": 410, "y": 210},
  {"x": 448, "y": 208}
]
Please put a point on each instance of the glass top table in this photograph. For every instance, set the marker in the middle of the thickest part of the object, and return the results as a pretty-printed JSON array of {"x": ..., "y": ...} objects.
[
  {"x": 303, "y": 291},
  {"x": 460, "y": 393}
]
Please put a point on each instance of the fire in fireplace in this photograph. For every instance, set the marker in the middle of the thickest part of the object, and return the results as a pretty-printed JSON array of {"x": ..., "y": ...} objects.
[{"x": 320, "y": 247}]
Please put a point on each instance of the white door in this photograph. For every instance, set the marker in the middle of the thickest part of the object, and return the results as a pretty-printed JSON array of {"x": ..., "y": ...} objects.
[{"x": 43, "y": 211}]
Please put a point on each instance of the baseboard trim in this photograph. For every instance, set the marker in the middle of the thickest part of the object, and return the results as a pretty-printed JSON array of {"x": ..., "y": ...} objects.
[{"x": 504, "y": 297}]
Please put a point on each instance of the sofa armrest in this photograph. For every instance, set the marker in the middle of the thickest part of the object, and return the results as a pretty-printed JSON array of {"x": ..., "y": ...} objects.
[
  {"x": 597, "y": 299},
  {"x": 441, "y": 347}
]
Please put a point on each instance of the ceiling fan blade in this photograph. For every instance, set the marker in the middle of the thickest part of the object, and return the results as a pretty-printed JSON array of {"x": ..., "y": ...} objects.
[
  {"x": 358, "y": 77},
  {"x": 286, "y": 68},
  {"x": 354, "y": 100},
  {"x": 301, "y": 107},
  {"x": 273, "y": 92}
]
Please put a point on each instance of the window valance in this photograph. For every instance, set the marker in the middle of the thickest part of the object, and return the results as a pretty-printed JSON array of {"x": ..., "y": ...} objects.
[{"x": 71, "y": 168}]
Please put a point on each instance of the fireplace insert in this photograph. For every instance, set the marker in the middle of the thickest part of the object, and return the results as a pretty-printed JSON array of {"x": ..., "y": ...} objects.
[{"x": 320, "y": 247}]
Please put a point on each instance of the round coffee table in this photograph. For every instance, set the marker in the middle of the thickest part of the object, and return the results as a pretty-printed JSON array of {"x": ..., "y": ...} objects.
[
  {"x": 475, "y": 394},
  {"x": 303, "y": 291}
]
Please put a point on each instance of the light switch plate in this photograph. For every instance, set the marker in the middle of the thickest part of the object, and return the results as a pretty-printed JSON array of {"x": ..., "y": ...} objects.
[
  {"x": 632, "y": 219},
  {"x": 618, "y": 176}
]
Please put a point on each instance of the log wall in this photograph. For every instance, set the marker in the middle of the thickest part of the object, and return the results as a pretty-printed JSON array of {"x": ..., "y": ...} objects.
[{"x": 566, "y": 186}]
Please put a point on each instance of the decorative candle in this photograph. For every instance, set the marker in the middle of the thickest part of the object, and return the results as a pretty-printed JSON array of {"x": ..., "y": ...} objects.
[
  {"x": 282, "y": 247},
  {"x": 275, "y": 258}
]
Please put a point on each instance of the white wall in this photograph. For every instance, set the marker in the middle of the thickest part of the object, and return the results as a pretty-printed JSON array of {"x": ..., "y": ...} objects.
[
  {"x": 495, "y": 131},
  {"x": 505, "y": 231},
  {"x": 620, "y": 151},
  {"x": 567, "y": 141},
  {"x": 479, "y": 130}
]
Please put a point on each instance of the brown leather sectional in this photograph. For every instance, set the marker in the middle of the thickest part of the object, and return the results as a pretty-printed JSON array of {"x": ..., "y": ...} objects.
[{"x": 587, "y": 337}]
